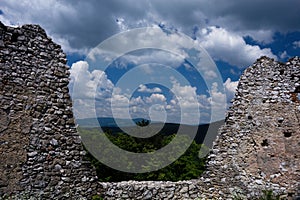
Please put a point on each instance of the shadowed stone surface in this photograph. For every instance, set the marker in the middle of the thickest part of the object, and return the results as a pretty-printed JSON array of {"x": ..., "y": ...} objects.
[{"x": 41, "y": 152}]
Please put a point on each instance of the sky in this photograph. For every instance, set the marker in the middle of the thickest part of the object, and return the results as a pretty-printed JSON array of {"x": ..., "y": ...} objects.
[{"x": 184, "y": 68}]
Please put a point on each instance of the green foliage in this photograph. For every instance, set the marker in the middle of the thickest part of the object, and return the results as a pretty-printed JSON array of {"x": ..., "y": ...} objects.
[
  {"x": 267, "y": 195},
  {"x": 237, "y": 197},
  {"x": 187, "y": 166},
  {"x": 97, "y": 197}
]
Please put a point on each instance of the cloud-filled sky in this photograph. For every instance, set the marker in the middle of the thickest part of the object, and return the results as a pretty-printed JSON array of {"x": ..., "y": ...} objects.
[{"x": 234, "y": 33}]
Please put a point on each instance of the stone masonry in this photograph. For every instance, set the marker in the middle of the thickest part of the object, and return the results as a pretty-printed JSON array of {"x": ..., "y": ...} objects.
[
  {"x": 41, "y": 153},
  {"x": 42, "y": 156},
  {"x": 261, "y": 135}
]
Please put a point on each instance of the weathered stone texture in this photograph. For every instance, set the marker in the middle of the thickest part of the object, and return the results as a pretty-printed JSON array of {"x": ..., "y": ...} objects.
[
  {"x": 41, "y": 152},
  {"x": 260, "y": 139}
]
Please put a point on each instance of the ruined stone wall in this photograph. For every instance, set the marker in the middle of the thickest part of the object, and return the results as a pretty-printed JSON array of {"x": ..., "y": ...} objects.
[
  {"x": 260, "y": 139},
  {"x": 41, "y": 154}
]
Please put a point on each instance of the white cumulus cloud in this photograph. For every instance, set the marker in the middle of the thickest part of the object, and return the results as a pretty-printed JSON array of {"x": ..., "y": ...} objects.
[
  {"x": 230, "y": 47},
  {"x": 144, "y": 88},
  {"x": 156, "y": 98},
  {"x": 86, "y": 86},
  {"x": 296, "y": 44},
  {"x": 230, "y": 88}
]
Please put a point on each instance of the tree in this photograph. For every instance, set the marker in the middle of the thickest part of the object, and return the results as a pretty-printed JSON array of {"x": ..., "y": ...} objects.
[
  {"x": 187, "y": 166},
  {"x": 143, "y": 122}
]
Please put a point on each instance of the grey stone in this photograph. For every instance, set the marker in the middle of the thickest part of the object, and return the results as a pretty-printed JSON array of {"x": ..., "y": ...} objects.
[
  {"x": 2, "y": 43},
  {"x": 147, "y": 195},
  {"x": 84, "y": 179},
  {"x": 23, "y": 48},
  {"x": 32, "y": 154},
  {"x": 184, "y": 189},
  {"x": 21, "y": 38},
  {"x": 57, "y": 167},
  {"x": 47, "y": 128},
  {"x": 54, "y": 142}
]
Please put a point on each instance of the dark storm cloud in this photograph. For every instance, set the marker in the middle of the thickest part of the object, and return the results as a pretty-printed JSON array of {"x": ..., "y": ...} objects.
[
  {"x": 86, "y": 23},
  {"x": 276, "y": 15},
  {"x": 95, "y": 20},
  {"x": 82, "y": 23},
  {"x": 239, "y": 15}
]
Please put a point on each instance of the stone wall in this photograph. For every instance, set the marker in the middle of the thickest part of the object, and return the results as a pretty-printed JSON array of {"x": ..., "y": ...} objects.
[
  {"x": 42, "y": 155},
  {"x": 260, "y": 138},
  {"x": 41, "y": 152}
]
